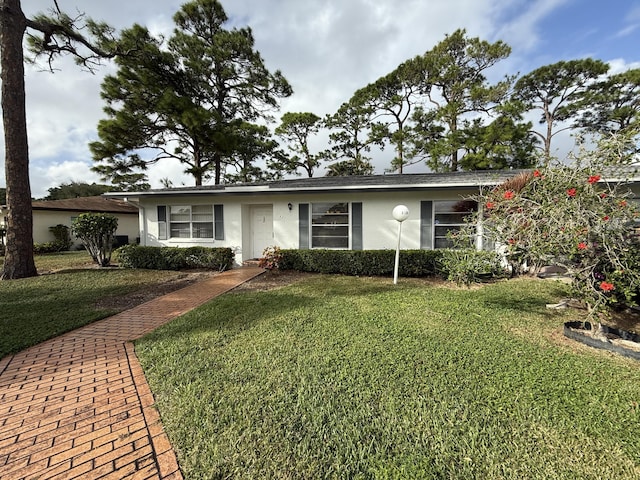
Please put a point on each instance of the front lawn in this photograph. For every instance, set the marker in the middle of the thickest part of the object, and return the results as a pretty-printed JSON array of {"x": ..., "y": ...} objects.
[
  {"x": 35, "y": 309},
  {"x": 343, "y": 377}
]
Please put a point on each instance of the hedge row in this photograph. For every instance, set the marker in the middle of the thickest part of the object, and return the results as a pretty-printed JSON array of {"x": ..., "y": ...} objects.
[
  {"x": 413, "y": 263},
  {"x": 462, "y": 266},
  {"x": 50, "y": 247},
  {"x": 172, "y": 258}
]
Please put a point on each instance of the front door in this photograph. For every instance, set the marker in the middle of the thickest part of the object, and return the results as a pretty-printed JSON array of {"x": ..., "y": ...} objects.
[{"x": 261, "y": 229}]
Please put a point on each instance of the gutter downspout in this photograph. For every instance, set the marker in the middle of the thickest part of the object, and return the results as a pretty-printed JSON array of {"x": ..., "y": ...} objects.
[{"x": 142, "y": 220}]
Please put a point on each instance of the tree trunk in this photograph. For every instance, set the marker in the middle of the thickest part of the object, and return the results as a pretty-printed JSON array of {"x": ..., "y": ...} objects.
[
  {"x": 454, "y": 154},
  {"x": 217, "y": 162},
  {"x": 18, "y": 261}
]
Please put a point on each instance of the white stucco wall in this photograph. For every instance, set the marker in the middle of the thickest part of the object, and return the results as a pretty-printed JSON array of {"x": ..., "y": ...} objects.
[
  {"x": 44, "y": 219},
  {"x": 380, "y": 230}
]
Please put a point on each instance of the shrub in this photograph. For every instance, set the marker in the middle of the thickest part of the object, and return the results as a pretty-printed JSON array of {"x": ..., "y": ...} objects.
[
  {"x": 173, "y": 258},
  {"x": 467, "y": 266},
  {"x": 271, "y": 258},
  {"x": 210, "y": 258},
  {"x": 96, "y": 231},
  {"x": 570, "y": 215},
  {"x": 62, "y": 237},
  {"x": 413, "y": 263},
  {"x": 48, "y": 247}
]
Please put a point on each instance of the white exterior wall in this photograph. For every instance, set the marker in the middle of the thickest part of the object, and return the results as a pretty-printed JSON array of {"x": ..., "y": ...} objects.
[
  {"x": 44, "y": 219},
  {"x": 379, "y": 229}
]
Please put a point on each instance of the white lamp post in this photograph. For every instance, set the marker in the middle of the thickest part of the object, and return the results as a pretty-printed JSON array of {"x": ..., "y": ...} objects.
[{"x": 400, "y": 213}]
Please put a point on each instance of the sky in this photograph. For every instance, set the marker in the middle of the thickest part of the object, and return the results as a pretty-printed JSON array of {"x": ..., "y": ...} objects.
[{"x": 327, "y": 49}]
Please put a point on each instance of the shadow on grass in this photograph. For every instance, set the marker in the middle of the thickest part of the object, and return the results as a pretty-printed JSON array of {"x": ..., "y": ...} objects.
[
  {"x": 532, "y": 300},
  {"x": 232, "y": 313},
  {"x": 36, "y": 309}
]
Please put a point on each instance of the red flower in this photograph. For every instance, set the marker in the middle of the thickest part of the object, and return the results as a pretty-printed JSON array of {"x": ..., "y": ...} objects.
[
  {"x": 490, "y": 205},
  {"x": 594, "y": 179},
  {"x": 572, "y": 192},
  {"x": 603, "y": 195},
  {"x": 512, "y": 241},
  {"x": 605, "y": 218},
  {"x": 607, "y": 287},
  {"x": 623, "y": 203},
  {"x": 508, "y": 195},
  {"x": 582, "y": 246},
  {"x": 537, "y": 173}
]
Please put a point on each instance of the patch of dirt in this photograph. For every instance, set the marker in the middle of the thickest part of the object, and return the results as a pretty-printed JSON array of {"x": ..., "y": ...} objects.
[
  {"x": 264, "y": 282},
  {"x": 628, "y": 320},
  {"x": 125, "y": 302}
]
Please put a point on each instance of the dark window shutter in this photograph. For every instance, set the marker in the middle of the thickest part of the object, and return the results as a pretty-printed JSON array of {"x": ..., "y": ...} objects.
[
  {"x": 218, "y": 222},
  {"x": 426, "y": 225},
  {"x": 162, "y": 222},
  {"x": 356, "y": 226},
  {"x": 303, "y": 226}
]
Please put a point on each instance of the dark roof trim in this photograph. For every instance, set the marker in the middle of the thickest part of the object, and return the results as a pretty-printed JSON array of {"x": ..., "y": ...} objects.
[
  {"x": 364, "y": 183},
  {"x": 368, "y": 183},
  {"x": 97, "y": 204}
]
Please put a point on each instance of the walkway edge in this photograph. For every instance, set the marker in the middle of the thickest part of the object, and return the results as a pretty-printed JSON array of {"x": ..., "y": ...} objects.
[{"x": 165, "y": 455}]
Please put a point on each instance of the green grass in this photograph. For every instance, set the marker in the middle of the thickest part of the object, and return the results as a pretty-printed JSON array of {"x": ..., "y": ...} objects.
[
  {"x": 341, "y": 377},
  {"x": 35, "y": 309}
]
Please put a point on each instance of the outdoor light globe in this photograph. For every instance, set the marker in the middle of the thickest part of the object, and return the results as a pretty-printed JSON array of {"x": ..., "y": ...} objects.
[{"x": 400, "y": 213}]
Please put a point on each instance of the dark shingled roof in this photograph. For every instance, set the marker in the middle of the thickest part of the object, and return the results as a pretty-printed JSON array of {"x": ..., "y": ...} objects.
[
  {"x": 86, "y": 204},
  {"x": 359, "y": 183},
  {"x": 348, "y": 183},
  {"x": 475, "y": 178}
]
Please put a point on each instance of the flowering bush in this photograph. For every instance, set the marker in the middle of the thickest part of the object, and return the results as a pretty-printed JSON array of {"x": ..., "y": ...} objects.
[
  {"x": 271, "y": 258},
  {"x": 576, "y": 216}
]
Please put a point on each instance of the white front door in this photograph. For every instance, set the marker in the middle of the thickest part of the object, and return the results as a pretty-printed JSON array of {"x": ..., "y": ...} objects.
[{"x": 261, "y": 229}]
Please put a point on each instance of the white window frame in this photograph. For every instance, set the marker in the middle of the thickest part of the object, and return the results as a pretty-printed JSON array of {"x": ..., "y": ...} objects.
[
  {"x": 315, "y": 214},
  {"x": 196, "y": 227},
  {"x": 449, "y": 225}
]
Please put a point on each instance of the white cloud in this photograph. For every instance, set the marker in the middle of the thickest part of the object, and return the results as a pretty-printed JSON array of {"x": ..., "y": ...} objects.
[
  {"x": 633, "y": 15},
  {"x": 51, "y": 174},
  {"x": 327, "y": 49},
  {"x": 628, "y": 30},
  {"x": 619, "y": 65}
]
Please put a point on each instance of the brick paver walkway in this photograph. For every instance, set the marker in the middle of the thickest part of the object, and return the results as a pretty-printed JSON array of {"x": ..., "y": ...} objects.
[{"x": 78, "y": 406}]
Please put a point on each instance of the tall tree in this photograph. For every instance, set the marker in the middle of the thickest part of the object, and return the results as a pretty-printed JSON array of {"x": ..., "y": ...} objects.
[
  {"x": 185, "y": 100},
  {"x": 76, "y": 189},
  {"x": 296, "y": 129},
  {"x": 455, "y": 70},
  {"x": 612, "y": 105},
  {"x": 392, "y": 98},
  {"x": 348, "y": 168},
  {"x": 255, "y": 147},
  {"x": 51, "y": 35},
  {"x": 557, "y": 91},
  {"x": 350, "y": 140},
  {"x": 502, "y": 144}
]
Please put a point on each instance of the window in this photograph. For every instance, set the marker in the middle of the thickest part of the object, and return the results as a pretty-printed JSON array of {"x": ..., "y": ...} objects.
[
  {"x": 330, "y": 225},
  {"x": 449, "y": 216},
  {"x": 162, "y": 222},
  {"x": 190, "y": 221},
  {"x": 202, "y": 221},
  {"x": 179, "y": 222}
]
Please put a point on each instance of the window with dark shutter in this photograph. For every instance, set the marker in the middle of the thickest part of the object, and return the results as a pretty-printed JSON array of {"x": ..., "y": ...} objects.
[
  {"x": 162, "y": 222},
  {"x": 218, "y": 216},
  {"x": 303, "y": 226}
]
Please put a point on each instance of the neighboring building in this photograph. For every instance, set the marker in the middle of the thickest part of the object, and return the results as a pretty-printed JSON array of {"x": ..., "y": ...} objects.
[
  {"x": 49, "y": 213},
  {"x": 326, "y": 212}
]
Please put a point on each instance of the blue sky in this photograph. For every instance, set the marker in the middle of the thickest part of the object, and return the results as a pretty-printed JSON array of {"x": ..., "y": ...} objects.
[{"x": 326, "y": 49}]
